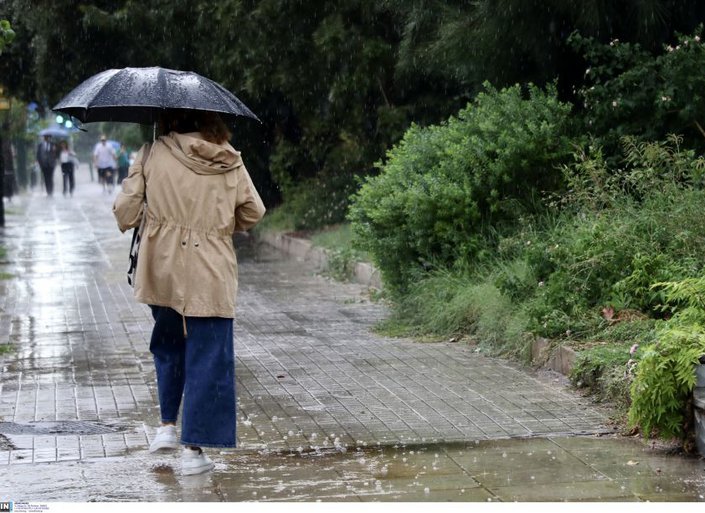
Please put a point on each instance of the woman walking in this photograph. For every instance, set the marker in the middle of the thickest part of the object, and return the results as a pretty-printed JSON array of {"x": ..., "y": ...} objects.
[
  {"x": 68, "y": 160},
  {"x": 196, "y": 193}
]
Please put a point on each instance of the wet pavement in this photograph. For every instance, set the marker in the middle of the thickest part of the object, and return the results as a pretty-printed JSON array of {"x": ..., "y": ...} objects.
[{"x": 326, "y": 409}]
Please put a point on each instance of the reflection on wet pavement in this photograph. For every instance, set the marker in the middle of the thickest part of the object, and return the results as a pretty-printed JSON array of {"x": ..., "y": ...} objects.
[{"x": 556, "y": 469}]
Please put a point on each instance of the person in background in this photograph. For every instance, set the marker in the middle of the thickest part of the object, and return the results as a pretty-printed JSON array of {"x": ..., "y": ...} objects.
[
  {"x": 104, "y": 161},
  {"x": 68, "y": 159},
  {"x": 47, "y": 154},
  {"x": 123, "y": 163},
  {"x": 198, "y": 193}
]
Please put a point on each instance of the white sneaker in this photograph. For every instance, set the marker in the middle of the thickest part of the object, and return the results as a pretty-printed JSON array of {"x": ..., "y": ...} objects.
[
  {"x": 165, "y": 439},
  {"x": 195, "y": 461}
]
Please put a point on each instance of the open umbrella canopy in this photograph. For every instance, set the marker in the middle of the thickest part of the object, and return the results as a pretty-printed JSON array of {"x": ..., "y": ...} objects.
[
  {"x": 138, "y": 95},
  {"x": 55, "y": 131}
]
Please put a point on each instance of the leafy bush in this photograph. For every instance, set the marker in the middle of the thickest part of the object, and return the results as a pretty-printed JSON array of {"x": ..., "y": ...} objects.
[
  {"x": 629, "y": 91},
  {"x": 620, "y": 232},
  {"x": 443, "y": 186},
  {"x": 606, "y": 360},
  {"x": 665, "y": 375},
  {"x": 452, "y": 303},
  {"x": 591, "y": 364}
]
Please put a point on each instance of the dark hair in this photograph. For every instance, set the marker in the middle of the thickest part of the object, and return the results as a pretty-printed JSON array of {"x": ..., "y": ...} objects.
[{"x": 209, "y": 124}]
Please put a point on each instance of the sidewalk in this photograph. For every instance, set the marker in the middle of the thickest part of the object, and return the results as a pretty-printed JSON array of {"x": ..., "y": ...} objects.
[{"x": 78, "y": 386}]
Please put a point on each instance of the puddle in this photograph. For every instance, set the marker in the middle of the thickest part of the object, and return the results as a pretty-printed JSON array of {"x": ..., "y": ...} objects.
[
  {"x": 525, "y": 470},
  {"x": 59, "y": 427}
]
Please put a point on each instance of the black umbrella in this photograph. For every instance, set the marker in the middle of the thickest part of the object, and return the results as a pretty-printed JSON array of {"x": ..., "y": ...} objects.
[{"x": 138, "y": 95}]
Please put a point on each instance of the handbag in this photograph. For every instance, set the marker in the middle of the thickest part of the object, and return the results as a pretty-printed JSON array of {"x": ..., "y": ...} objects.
[{"x": 137, "y": 232}]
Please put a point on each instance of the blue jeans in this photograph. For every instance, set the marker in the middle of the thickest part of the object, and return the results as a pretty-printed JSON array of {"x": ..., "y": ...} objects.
[{"x": 201, "y": 368}]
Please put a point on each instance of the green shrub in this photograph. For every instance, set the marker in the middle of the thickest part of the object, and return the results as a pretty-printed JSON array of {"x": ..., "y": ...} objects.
[
  {"x": 318, "y": 202},
  {"x": 618, "y": 234},
  {"x": 592, "y": 362},
  {"x": 629, "y": 91},
  {"x": 341, "y": 264},
  {"x": 665, "y": 375},
  {"x": 342, "y": 256},
  {"x": 443, "y": 187},
  {"x": 337, "y": 237},
  {"x": 453, "y": 303}
]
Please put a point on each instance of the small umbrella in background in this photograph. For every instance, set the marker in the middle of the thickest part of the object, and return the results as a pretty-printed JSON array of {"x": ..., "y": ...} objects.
[
  {"x": 55, "y": 131},
  {"x": 139, "y": 95}
]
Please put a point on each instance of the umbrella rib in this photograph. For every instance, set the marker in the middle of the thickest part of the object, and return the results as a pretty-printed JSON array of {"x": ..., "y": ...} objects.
[
  {"x": 90, "y": 103},
  {"x": 225, "y": 98},
  {"x": 161, "y": 80}
]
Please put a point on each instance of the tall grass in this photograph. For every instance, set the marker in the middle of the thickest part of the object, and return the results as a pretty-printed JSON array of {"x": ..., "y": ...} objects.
[
  {"x": 337, "y": 237},
  {"x": 450, "y": 303}
]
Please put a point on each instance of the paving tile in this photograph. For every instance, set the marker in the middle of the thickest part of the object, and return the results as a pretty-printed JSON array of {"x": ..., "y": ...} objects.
[{"x": 307, "y": 361}]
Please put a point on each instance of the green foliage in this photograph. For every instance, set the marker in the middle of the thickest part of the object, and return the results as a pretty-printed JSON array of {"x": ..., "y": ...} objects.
[
  {"x": 442, "y": 186},
  {"x": 465, "y": 43},
  {"x": 629, "y": 91},
  {"x": 321, "y": 76},
  {"x": 335, "y": 82},
  {"x": 341, "y": 264},
  {"x": 647, "y": 168},
  {"x": 4, "y": 275},
  {"x": 619, "y": 233},
  {"x": 337, "y": 237},
  {"x": 614, "y": 387},
  {"x": 665, "y": 375},
  {"x": 342, "y": 256},
  {"x": 453, "y": 303},
  {"x": 7, "y": 35},
  {"x": 276, "y": 220},
  {"x": 591, "y": 364}
]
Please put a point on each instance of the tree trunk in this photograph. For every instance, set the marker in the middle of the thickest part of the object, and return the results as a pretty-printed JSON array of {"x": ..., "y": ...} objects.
[
  {"x": 2, "y": 181},
  {"x": 22, "y": 171}
]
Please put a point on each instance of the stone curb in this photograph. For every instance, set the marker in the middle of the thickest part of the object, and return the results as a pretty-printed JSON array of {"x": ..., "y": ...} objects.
[
  {"x": 560, "y": 359},
  {"x": 365, "y": 274}
]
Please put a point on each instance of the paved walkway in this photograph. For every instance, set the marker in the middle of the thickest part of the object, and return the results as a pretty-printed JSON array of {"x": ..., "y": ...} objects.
[
  {"x": 309, "y": 371},
  {"x": 78, "y": 384}
]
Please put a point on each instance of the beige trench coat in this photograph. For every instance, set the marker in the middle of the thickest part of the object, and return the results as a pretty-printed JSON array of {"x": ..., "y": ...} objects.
[{"x": 198, "y": 193}]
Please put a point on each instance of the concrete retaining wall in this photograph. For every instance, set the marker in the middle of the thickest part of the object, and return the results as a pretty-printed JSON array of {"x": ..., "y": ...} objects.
[
  {"x": 303, "y": 249},
  {"x": 560, "y": 359}
]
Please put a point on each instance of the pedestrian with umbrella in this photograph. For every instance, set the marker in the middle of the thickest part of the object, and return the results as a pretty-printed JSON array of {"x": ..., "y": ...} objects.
[
  {"x": 55, "y": 131},
  {"x": 191, "y": 191}
]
